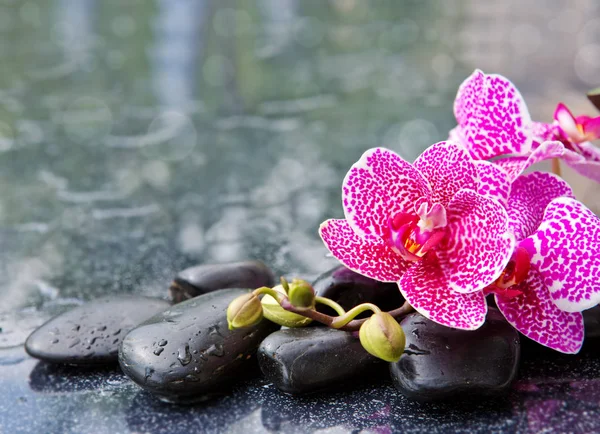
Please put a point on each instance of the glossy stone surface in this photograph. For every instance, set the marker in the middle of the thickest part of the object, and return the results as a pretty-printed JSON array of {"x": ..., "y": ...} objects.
[
  {"x": 91, "y": 333},
  {"x": 201, "y": 279},
  {"x": 188, "y": 353},
  {"x": 441, "y": 363},
  {"x": 309, "y": 359},
  {"x": 350, "y": 289},
  {"x": 591, "y": 320}
]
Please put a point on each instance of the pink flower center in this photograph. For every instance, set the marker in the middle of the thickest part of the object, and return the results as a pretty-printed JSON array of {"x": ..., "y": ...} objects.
[
  {"x": 412, "y": 235},
  {"x": 514, "y": 273}
]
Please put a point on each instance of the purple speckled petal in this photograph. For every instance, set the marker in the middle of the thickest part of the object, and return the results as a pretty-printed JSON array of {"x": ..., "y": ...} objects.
[
  {"x": 586, "y": 162},
  {"x": 587, "y": 168},
  {"x": 529, "y": 197},
  {"x": 426, "y": 289},
  {"x": 565, "y": 250},
  {"x": 372, "y": 259},
  {"x": 542, "y": 131},
  {"x": 492, "y": 117},
  {"x": 493, "y": 181},
  {"x": 449, "y": 168},
  {"x": 514, "y": 166},
  {"x": 478, "y": 244},
  {"x": 377, "y": 187},
  {"x": 535, "y": 315}
]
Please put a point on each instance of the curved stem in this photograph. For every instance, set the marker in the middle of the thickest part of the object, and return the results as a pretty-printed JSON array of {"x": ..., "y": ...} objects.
[
  {"x": 332, "y": 304},
  {"x": 342, "y": 320},
  {"x": 270, "y": 291}
]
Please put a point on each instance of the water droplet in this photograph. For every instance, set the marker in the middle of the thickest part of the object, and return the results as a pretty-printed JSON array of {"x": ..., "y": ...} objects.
[
  {"x": 75, "y": 342},
  {"x": 192, "y": 377},
  {"x": 93, "y": 341},
  {"x": 117, "y": 332},
  {"x": 215, "y": 350},
  {"x": 183, "y": 355},
  {"x": 162, "y": 343},
  {"x": 148, "y": 373},
  {"x": 415, "y": 332},
  {"x": 101, "y": 328},
  {"x": 158, "y": 351},
  {"x": 116, "y": 341},
  {"x": 76, "y": 328},
  {"x": 54, "y": 341},
  {"x": 214, "y": 330}
]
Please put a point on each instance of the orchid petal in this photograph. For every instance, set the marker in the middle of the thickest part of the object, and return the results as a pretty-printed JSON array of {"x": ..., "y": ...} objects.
[
  {"x": 448, "y": 168},
  {"x": 591, "y": 127},
  {"x": 377, "y": 187},
  {"x": 542, "y": 131},
  {"x": 426, "y": 289},
  {"x": 565, "y": 250},
  {"x": 493, "y": 181},
  {"x": 372, "y": 259},
  {"x": 589, "y": 169},
  {"x": 589, "y": 151},
  {"x": 567, "y": 123},
  {"x": 492, "y": 117},
  {"x": 535, "y": 315},
  {"x": 529, "y": 197},
  {"x": 478, "y": 245},
  {"x": 514, "y": 166}
]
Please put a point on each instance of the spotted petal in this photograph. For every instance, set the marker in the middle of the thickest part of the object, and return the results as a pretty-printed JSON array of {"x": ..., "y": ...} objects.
[
  {"x": 478, "y": 244},
  {"x": 565, "y": 250},
  {"x": 529, "y": 197},
  {"x": 372, "y": 259},
  {"x": 378, "y": 186},
  {"x": 535, "y": 315},
  {"x": 542, "y": 131},
  {"x": 514, "y": 166},
  {"x": 449, "y": 168},
  {"x": 425, "y": 287},
  {"x": 492, "y": 117},
  {"x": 493, "y": 181},
  {"x": 587, "y": 162}
]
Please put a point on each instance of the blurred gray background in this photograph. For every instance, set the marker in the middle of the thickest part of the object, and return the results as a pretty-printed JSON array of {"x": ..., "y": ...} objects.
[{"x": 140, "y": 137}]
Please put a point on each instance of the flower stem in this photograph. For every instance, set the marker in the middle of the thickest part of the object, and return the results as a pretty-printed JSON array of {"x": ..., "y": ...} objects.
[
  {"x": 332, "y": 304},
  {"x": 556, "y": 166}
]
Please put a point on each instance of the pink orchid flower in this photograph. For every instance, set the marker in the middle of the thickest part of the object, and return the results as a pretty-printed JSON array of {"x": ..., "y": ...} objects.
[
  {"x": 554, "y": 272},
  {"x": 425, "y": 226},
  {"x": 493, "y": 121}
]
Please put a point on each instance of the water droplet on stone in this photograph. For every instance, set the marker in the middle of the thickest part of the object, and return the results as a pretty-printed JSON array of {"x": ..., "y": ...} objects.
[
  {"x": 148, "y": 373},
  {"x": 162, "y": 343},
  {"x": 117, "y": 332},
  {"x": 158, "y": 351},
  {"x": 215, "y": 350},
  {"x": 75, "y": 342},
  {"x": 54, "y": 341},
  {"x": 101, "y": 328},
  {"x": 183, "y": 355}
]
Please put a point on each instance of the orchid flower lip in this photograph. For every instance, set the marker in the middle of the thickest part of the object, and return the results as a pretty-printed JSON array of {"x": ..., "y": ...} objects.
[
  {"x": 411, "y": 236},
  {"x": 514, "y": 273}
]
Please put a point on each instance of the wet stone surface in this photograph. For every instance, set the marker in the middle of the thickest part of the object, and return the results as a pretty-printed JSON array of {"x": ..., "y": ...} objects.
[
  {"x": 91, "y": 333},
  {"x": 310, "y": 359},
  {"x": 349, "y": 289},
  {"x": 202, "y": 279},
  {"x": 187, "y": 353},
  {"x": 440, "y": 362}
]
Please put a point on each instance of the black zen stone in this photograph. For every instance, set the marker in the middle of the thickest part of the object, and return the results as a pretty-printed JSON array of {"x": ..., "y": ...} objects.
[
  {"x": 591, "y": 319},
  {"x": 188, "y": 353},
  {"x": 201, "y": 279},
  {"x": 349, "y": 289},
  {"x": 309, "y": 359},
  {"x": 90, "y": 334},
  {"x": 441, "y": 362}
]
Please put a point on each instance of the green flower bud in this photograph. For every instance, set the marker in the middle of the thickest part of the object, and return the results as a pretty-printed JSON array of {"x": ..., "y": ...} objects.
[
  {"x": 274, "y": 312},
  {"x": 244, "y": 311},
  {"x": 382, "y": 336},
  {"x": 301, "y": 294}
]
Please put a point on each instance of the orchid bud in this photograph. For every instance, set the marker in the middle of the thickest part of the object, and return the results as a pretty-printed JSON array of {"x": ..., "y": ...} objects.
[
  {"x": 244, "y": 311},
  {"x": 277, "y": 314},
  {"x": 382, "y": 336},
  {"x": 301, "y": 294}
]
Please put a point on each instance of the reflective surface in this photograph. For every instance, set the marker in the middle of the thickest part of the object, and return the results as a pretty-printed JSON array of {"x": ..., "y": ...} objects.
[{"x": 138, "y": 138}]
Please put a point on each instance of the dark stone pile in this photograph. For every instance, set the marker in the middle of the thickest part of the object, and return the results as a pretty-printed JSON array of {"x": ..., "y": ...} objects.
[{"x": 184, "y": 352}]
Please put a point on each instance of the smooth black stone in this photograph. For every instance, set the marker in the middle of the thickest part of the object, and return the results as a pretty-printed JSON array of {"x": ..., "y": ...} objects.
[
  {"x": 310, "y": 359},
  {"x": 202, "y": 279},
  {"x": 441, "y": 362},
  {"x": 188, "y": 353},
  {"x": 90, "y": 334},
  {"x": 591, "y": 319},
  {"x": 349, "y": 289}
]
